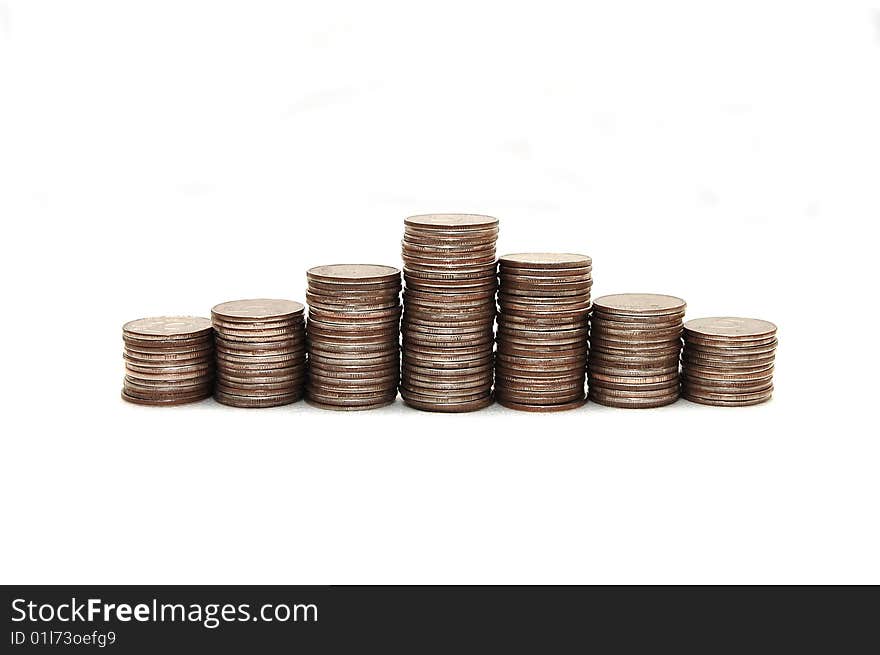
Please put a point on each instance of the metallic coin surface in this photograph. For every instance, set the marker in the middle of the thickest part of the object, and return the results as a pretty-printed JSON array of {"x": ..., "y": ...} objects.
[
  {"x": 449, "y": 407},
  {"x": 527, "y": 398},
  {"x": 533, "y": 279},
  {"x": 458, "y": 244},
  {"x": 169, "y": 345},
  {"x": 438, "y": 388},
  {"x": 164, "y": 402},
  {"x": 470, "y": 256},
  {"x": 354, "y": 288},
  {"x": 641, "y": 386},
  {"x": 257, "y": 324},
  {"x": 444, "y": 383},
  {"x": 562, "y": 407},
  {"x": 640, "y": 304},
  {"x": 482, "y": 273},
  {"x": 441, "y": 375},
  {"x": 730, "y": 397},
  {"x": 478, "y": 237},
  {"x": 545, "y": 260},
  {"x": 446, "y": 362},
  {"x": 162, "y": 389},
  {"x": 554, "y": 371},
  {"x": 646, "y": 333},
  {"x": 264, "y": 391},
  {"x": 281, "y": 358},
  {"x": 389, "y": 296},
  {"x": 262, "y": 336},
  {"x": 154, "y": 370},
  {"x": 636, "y": 322},
  {"x": 724, "y": 375},
  {"x": 277, "y": 346},
  {"x": 730, "y": 327},
  {"x": 696, "y": 357},
  {"x": 167, "y": 327},
  {"x": 450, "y": 222},
  {"x": 167, "y": 375},
  {"x": 539, "y": 385},
  {"x": 717, "y": 342},
  {"x": 642, "y": 347},
  {"x": 167, "y": 358},
  {"x": 632, "y": 403},
  {"x": 354, "y": 272},
  {"x": 602, "y": 378},
  {"x": 257, "y": 309},
  {"x": 728, "y": 381},
  {"x": 141, "y": 393},
  {"x": 701, "y": 387},
  {"x": 629, "y": 371},
  {"x": 453, "y": 285},
  {"x": 253, "y": 402},
  {"x": 349, "y": 407},
  {"x": 181, "y": 386},
  {"x": 734, "y": 354},
  {"x": 727, "y": 403},
  {"x": 168, "y": 350},
  {"x": 354, "y": 325}
]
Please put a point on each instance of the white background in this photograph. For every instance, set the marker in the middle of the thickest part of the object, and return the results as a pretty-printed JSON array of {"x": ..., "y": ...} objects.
[{"x": 162, "y": 157}]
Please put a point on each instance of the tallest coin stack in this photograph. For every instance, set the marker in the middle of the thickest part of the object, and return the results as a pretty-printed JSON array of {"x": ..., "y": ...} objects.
[{"x": 449, "y": 311}]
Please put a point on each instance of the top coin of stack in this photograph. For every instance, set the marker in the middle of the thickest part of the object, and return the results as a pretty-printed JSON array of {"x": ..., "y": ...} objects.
[
  {"x": 449, "y": 311},
  {"x": 169, "y": 360},
  {"x": 353, "y": 336},
  {"x": 543, "y": 303},
  {"x": 260, "y": 348},
  {"x": 635, "y": 341},
  {"x": 728, "y": 361}
]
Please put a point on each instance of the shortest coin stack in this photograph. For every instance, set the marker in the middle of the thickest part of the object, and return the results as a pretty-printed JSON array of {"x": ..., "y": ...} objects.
[
  {"x": 728, "y": 361},
  {"x": 261, "y": 352},
  {"x": 353, "y": 336},
  {"x": 635, "y": 342},
  {"x": 169, "y": 360}
]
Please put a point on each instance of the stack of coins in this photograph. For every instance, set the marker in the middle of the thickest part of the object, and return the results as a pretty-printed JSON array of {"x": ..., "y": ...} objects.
[
  {"x": 543, "y": 304},
  {"x": 261, "y": 352},
  {"x": 635, "y": 341},
  {"x": 353, "y": 336},
  {"x": 449, "y": 311},
  {"x": 169, "y": 360},
  {"x": 728, "y": 361}
]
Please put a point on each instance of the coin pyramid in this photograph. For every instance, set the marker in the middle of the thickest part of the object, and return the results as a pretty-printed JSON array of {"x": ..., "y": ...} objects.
[
  {"x": 260, "y": 350},
  {"x": 437, "y": 345},
  {"x": 449, "y": 311},
  {"x": 353, "y": 336},
  {"x": 169, "y": 360},
  {"x": 635, "y": 342},
  {"x": 543, "y": 304},
  {"x": 728, "y": 361}
]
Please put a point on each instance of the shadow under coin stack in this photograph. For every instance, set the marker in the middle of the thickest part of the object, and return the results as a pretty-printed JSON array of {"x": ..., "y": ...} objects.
[
  {"x": 449, "y": 311},
  {"x": 353, "y": 336},
  {"x": 543, "y": 303},
  {"x": 261, "y": 348},
  {"x": 169, "y": 360},
  {"x": 635, "y": 342},
  {"x": 728, "y": 361}
]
